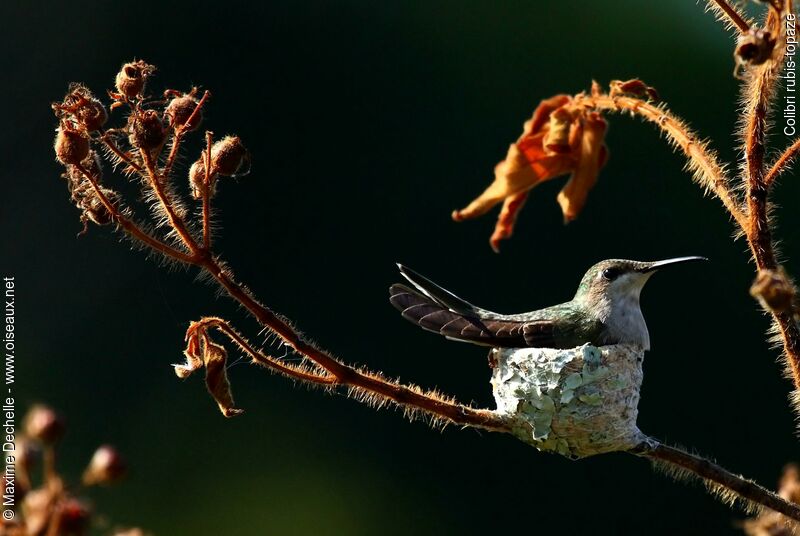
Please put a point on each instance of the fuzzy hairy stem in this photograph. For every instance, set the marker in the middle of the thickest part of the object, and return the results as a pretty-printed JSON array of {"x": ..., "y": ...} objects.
[
  {"x": 782, "y": 163},
  {"x": 181, "y": 131},
  {"x": 258, "y": 357},
  {"x": 720, "y": 479},
  {"x": 759, "y": 92},
  {"x": 130, "y": 227},
  {"x": 702, "y": 160},
  {"x": 175, "y": 221},
  {"x": 205, "y": 193},
  {"x": 364, "y": 383},
  {"x": 731, "y": 14}
]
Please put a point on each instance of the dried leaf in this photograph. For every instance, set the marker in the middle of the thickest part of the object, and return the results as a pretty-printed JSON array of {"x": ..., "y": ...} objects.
[
  {"x": 504, "y": 227},
  {"x": 216, "y": 358},
  {"x": 561, "y": 137},
  {"x": 593, "y": 155}
]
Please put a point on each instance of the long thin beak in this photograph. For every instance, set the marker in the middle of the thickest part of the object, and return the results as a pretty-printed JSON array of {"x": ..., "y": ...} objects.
[{"x": 653, "y": 266}]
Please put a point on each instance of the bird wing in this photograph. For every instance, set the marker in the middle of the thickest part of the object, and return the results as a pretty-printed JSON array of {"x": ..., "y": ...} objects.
[{"x": 436, "y": 309}]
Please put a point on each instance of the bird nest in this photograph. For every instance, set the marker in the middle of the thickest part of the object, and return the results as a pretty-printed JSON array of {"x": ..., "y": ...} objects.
[{"x": 576, "y": 402}]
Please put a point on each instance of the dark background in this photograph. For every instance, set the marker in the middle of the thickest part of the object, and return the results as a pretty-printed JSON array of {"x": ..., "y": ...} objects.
[{"x": 368, "y": 123}]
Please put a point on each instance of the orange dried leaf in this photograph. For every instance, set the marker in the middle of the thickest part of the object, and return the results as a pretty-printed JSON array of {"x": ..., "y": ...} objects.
[
  {"x": 557, "y": 139},
  {"x": 504, "y": 227},
  {"x": 561, "y": 137},
  {"x": 216, "y": 358},
  {"x": 572, "y": 197}
]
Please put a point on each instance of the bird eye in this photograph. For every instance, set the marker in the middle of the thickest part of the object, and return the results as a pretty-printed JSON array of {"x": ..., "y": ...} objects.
[{"x": 609, "y": 274}]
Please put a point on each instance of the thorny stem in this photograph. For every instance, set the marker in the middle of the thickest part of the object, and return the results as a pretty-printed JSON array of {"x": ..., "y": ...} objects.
[
  {"x": 709, "y": 172},
  {"x": 719, "y": 476},
  {"x": 175, "y": 221},
  {"x": 260, "y": 358},
  {"x": 120, "y": 154},
  {"x": 130, "y": 227},
  {"x": 206, "y": 193},
  {"x": 782, "y": 163},
  {"x": 733, "y": 15},
  {"x": 348, "y": 376},
  {"x": 180, "y": 132},
  {"x": 761, "y": 88},
  {"x": 361, "y": 381}
]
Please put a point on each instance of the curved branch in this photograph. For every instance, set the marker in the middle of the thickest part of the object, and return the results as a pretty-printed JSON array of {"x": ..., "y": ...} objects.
[
  {"x": 733, "y": 16},
  {"x": 702, "y": 160},
  {"x": 258, "y": 357},
  {"x": 782, "y": 163},
  {"x": 362, "y": 382},
  {"x": 721, "y": 479},
  {"x": 130, "y": 227}
]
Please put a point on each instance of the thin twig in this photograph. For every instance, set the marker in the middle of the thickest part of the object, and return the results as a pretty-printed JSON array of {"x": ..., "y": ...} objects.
[
  {"x": 180, "y": 132},
  {"x": 259, "y": 357},
  {"x": 782, "y": 163},
  {"x": 119, "y": 153},
  {"x": 702, "y": 160},
  {"x": 205, "y": 192},
  {"x": 719, "y": 476},
  {"x": 365, "y": 382},
  {"x": 733, "y": 15},
  {"x": 129, "y": 226},
  {"x": 175, "y": 221}
]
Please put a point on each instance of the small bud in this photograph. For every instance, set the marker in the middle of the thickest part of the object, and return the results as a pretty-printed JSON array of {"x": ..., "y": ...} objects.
[
  {"x": 106, "y": 467},
  {"x": 197, "y": 175},
  {"x": 71, "y": 146},
  {"x": 180, "y": 109},
  {"x": 83, "y": 108},
  {"x": 754, "y": 47},
  {"x": 73, "y": 516},
  {"x": 773, "y": 290},
  {"x": 146, "y": 130},
  {"x": 94, "y": 210},
  {"x": 132, "y": 77},
  {"x": 44, "y": 424},
  {"x": 633, "y": 88},
  {"x": 228, "y": 155}
]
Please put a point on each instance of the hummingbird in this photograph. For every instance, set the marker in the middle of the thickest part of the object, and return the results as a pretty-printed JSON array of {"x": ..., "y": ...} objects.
[{"x": 604, "y": 311}]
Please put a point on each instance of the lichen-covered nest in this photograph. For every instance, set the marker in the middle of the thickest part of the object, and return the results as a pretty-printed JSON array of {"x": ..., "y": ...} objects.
[{"x": 576, "y": 402}]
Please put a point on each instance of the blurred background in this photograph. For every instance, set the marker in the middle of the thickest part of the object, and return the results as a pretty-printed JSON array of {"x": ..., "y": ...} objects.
[{"x": 368, "y": 123}]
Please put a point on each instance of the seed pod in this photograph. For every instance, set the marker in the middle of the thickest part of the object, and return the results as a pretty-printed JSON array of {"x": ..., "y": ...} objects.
[
  {"x": 81, "y": 106},
  {"x": 754, "y": 47},
  {"x": 197, "y": 175},
  {"x": 106, "y": 467},
  {"x": 774, "y": 290},
  {"x": 228, "y": 155},
  {"x": 180, "y": 109},
  {"x": 71, "y": 146},
  {"x": 132, "y": 77},
  {"x": 44, "y": 424},
  {"x": 146, "y": 130},
  {"x": 94, "y": 210}
]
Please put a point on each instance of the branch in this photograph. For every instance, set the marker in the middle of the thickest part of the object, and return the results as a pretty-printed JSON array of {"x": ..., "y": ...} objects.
[
  {"x": 720, "y": 480},
  {"x": 702, "y": 160},
  {"x": 759, "y": 93},
  {"x": 725, "y": 10},
  {"x": 782, "y": 163},
  {"x": 363, "y": 383}
]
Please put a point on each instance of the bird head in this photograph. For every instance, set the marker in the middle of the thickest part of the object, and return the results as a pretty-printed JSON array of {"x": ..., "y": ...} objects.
[{"x": 618, "y": 279}]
